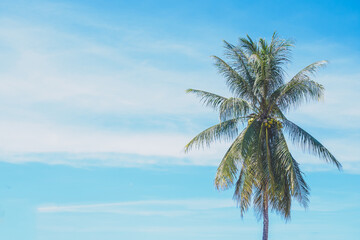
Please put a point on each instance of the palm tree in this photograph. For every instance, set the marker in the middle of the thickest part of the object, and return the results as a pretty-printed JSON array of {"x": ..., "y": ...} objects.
[{"x": 258, "y": 162}]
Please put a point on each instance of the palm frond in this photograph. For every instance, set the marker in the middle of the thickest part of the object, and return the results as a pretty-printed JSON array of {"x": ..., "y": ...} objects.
[
  {"x": 236, "y": 83},
  {"x": 281, "y": 49},
  {"x": 228, "y": 167},
  {"x": 310, "y": 70},
  {"x": 240, "y": 62},
  {"x": 249, "y": 45},
  {"x": 299, "y": 89},
  {"x": 307, "y": 142},
  {"x": 207, "y": 98},
  {"x": 234, "y": 108},
  {"x": 226, "y": 130},
  {"x": 290, "y": 171},
  {"x": 279, "y": 53},
  {"x": 245, "y": 186},
  {"x": 260, "y": 194}
]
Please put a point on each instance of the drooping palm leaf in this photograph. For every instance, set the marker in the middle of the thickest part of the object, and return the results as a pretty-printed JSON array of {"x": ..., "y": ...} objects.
[
  {"x": 297, "y": 184},
  {"x": 307, "y": 142},
  {"x": 226, "y": 130},
  {"x": 228, "y": 167},
  {"x": 207, "y": 98},
  {"x": 299, "y": 89}
]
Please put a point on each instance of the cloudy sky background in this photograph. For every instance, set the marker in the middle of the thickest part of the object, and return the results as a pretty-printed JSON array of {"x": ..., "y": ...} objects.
[{"x": 95, "y": 117}]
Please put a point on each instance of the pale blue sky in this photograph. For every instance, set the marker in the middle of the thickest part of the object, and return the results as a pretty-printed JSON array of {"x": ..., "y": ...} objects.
[{"x": 95, "y": 117}]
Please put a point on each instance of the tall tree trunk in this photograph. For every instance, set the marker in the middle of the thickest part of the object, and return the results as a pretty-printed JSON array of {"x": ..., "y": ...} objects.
[{"x": 265, "y": 217}]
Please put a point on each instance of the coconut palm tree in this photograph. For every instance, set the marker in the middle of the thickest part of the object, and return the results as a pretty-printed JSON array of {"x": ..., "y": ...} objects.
[{"x": 258, "y": 162}]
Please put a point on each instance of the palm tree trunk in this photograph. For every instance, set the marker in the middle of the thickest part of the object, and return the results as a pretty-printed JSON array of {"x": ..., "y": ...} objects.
[{"x": 265, "y": 217}]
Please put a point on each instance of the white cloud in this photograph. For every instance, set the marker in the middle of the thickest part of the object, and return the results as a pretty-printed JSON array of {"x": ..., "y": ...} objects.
[
  {"x": 166, "y": 208},
  {"x": 32, "y": 137},
  {"x": 53, "y": 66},
  {"x": 79, "y": 146}
]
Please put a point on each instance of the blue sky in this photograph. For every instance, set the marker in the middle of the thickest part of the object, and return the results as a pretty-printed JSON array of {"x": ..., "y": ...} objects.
[{"x": 95, "y": 117}]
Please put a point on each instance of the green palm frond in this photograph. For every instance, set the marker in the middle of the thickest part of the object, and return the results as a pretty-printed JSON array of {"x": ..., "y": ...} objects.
[
  {"x": 277, "y": 112},
  {"x": 226, "y": 130},
  {"x": 245, "y": 186},
  {"x": 253, "y": 168},
  {"x": 236, "y": 83},
  {"x": 288, "y": 165},
  {"x": 308, "y": 142},
  {"x": 251, "y": 139},
  {"x": 299, "y": 89},
  {"x": 280, "y": 201},
  {"x": 240, "y": 62},
  {"x": 310, "y": 70},
  {"x": 207, "y": 98},
  {"x": 260, "y": 194},
  {"x": 249, "y": 46},
  {"x": 281, "y": 49},
  {"x": 240, "y": 184},
  {"x": 228, "y": 167},
  {"x": 234, "y": 108}
]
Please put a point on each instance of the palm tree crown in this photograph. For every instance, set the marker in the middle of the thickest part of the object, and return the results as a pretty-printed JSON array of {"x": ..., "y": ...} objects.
[{"x": 259, "y": 162}]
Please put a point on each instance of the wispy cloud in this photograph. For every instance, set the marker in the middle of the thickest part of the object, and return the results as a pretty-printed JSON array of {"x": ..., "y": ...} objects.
[
  {"x": 166, "y": 208},
  {"x": 52, "y": 144},
  {"x": 89, "y": 75}
]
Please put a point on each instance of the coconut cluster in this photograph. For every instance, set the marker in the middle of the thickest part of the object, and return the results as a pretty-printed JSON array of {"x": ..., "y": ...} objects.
[
  {"x": 268, "y": 122},
  {"x": 272, "y": 122}
]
